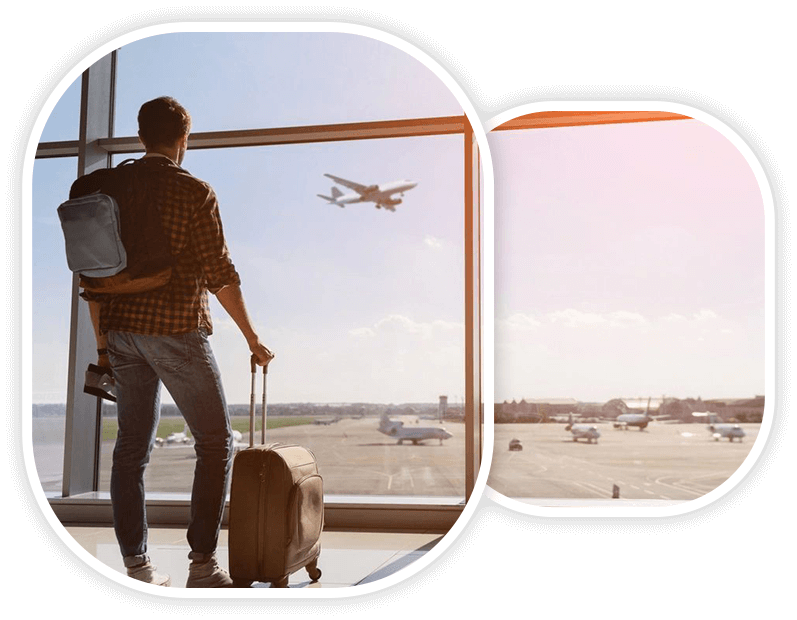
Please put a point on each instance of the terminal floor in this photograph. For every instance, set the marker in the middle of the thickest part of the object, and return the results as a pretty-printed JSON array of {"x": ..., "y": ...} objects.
[{"x": 347, "y": 558}]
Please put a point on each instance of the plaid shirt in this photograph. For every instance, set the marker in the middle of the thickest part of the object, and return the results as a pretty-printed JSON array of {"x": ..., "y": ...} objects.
[{"x": 191, "y": 222}]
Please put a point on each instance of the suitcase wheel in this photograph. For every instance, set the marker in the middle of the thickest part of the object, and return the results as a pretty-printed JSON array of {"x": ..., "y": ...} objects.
[
  {"x": 280, "y": 583},
  {"x": 241, "y": 583},
  {"x": 314, "y": 571}
]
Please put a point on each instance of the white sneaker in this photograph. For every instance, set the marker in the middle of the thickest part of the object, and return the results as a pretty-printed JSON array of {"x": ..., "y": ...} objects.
[
  {"x": 145, "y": 571},
  {"x": 205, "y": 572}
]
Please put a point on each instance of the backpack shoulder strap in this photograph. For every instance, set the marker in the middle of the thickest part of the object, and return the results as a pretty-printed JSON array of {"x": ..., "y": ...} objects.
[{"x": 102, "y": 180}]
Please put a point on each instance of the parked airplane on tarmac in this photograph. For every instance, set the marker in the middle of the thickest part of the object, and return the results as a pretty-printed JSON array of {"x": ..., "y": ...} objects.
[
  {"x": 237, "y": 441},
  {"x": 381, "y": 195},
  {"x": 589, "y": 432},
  {"x": 640, "y": 420},
  {"x": 719, "y": 430},
  {"x": 176, "y": 438},
  {"x": 415, "y": 435}
]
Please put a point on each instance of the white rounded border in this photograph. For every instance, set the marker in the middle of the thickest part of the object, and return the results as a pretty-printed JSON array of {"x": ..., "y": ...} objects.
[
  {"x": 582, "y": 508},
  {"x": 257, "y": 594}
]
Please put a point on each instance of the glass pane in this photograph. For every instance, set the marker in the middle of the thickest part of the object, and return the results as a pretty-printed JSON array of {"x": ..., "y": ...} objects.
[
  {"x": 629, "y": 280},
  {"x": 64, "y": 120},
  {"x": 51, "y": 299},
  {"x": 256, "y": 80},
  {"x": 362, "y": 306}
]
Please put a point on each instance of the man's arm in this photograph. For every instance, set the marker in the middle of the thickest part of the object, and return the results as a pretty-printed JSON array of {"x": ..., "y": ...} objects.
[
  {"x": 102, "y": 342},
  {"x": 232, "y": 300}
]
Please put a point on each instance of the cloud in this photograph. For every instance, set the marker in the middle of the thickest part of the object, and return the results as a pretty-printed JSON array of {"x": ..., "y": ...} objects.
[
  {"x": 573, "y": 318},
  {"x": 400, "y": 325},
  {"x": 597, "y": 355},
  {"x": 520, "y": 322},
  {"x": 398, "y": 354},
  {"x": 433, "y": 242},
  {"x": 576, "y": 318},
  {"x": 626, "y": 318},
  {"x": 705, "y": 315},
  {"x": 362, "y": 332}
]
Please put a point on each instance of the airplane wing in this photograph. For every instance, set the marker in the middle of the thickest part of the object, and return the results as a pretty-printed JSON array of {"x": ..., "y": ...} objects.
[{"x": 360, "y": 189}]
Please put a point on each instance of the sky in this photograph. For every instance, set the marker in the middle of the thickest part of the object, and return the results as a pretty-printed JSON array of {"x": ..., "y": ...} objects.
[
  {"x": 629, "y": 258},
  {"x": 629, "y": 263},
  {"x": 359, "y": 304}
]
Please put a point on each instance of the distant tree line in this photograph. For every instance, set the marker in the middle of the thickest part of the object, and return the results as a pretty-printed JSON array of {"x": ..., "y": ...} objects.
[
  {"x": 729, "y": 410},
  {"x": 348, "y": 410}
]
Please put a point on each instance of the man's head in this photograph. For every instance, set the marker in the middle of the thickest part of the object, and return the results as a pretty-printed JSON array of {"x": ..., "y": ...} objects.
[{"x": 164, "y": 124}]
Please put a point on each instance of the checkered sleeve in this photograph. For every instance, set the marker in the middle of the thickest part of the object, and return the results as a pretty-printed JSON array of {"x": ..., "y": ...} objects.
[{"x": 210, "y": 245}]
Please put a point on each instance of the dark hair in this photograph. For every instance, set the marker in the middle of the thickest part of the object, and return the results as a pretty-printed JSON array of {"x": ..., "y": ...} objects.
[{"x": 163, "y": 121}]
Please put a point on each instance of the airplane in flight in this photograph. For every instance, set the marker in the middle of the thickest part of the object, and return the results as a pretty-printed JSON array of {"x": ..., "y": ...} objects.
[
  {"x": 415, "y": 435},
  {"x": 720, "y": 430},
  {"x": 589, "y": 432},
  {"x": 381, "y": 195}
]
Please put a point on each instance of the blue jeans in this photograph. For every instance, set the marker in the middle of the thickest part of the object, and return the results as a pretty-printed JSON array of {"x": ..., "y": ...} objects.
[{"x": 185, "y": 364}]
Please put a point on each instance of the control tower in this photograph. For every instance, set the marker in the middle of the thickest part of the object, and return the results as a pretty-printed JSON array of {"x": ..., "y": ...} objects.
[{"x": 441, "y": 408}]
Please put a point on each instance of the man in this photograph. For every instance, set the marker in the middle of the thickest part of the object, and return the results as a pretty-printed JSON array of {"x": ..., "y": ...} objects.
[{"x": 160, "y": 336}]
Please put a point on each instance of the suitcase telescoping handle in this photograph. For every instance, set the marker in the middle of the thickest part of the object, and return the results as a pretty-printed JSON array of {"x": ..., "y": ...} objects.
[{"x": 253, "y": 362}]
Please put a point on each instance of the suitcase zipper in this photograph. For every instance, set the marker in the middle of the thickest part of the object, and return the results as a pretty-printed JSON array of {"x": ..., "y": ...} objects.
[{"x": 261, "y": 543}]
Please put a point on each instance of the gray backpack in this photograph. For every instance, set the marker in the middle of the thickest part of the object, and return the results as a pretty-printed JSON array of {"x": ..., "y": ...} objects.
[
  {"x": 113, "y": 232},
  {"x": 93, "y": 236}
]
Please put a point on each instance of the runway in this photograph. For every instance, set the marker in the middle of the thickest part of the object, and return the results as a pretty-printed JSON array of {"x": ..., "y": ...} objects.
[
  {"x": 664, "y": 461},
  {"x": 353, "y": 458}
]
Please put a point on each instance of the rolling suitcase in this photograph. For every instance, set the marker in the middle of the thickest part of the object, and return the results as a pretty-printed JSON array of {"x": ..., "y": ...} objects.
[{"x": 276, "y": 508}]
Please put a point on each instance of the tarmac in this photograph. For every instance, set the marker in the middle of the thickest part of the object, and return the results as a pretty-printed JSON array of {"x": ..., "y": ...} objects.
[
  {"x": 676, "y": 462},
  {"x": 661, "y": 462},
  {"x": 353, "y": 457}
]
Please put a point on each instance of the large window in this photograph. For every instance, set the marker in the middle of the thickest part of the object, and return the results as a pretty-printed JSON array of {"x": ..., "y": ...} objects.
[
  {"x": 362, "y": 306},
  {"x": 629, "y": 339},
  {"x": 51, "y": 314},
  {"x": 367, "y": 309}
]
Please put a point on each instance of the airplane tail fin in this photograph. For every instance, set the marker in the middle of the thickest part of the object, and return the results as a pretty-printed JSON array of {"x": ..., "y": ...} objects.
[
  {"x": 333, "y": 199},
  {"x": 387, "y": 426}
]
